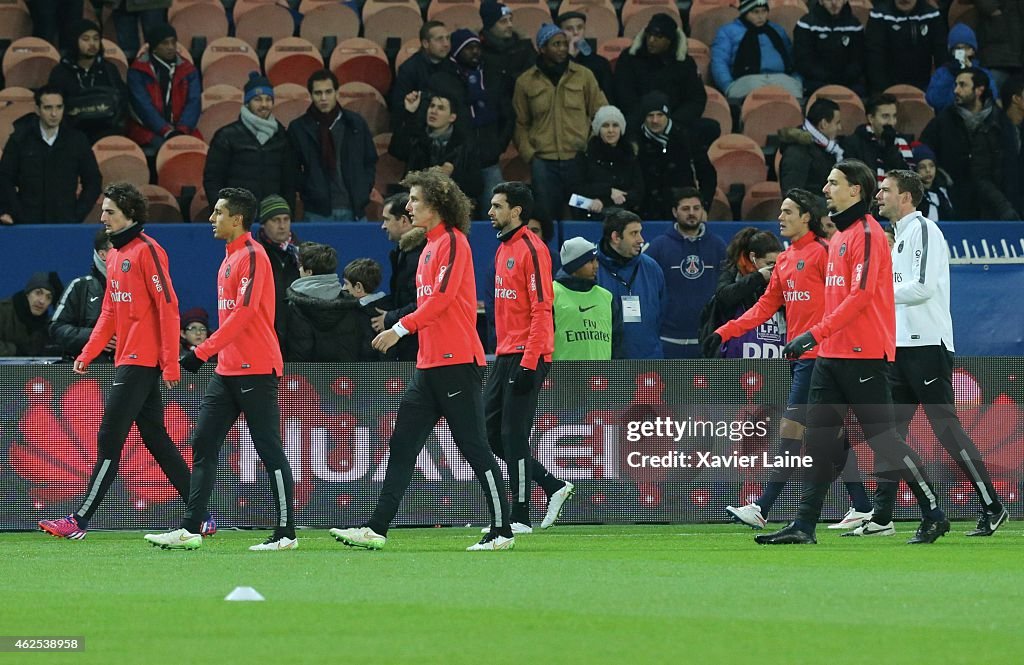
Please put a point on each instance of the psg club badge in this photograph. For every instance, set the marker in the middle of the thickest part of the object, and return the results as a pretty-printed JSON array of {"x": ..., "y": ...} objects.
[
  {"x": 227, "y": 272},
  {"x": 842, "y": 249},
  {"x": 125, "y": 265},
  {"x": 899, "y": 250},
  {"x": 426, "y": 258},
  {"x": 692, "y": 267},
  {"x": 510, "y": 263},
  {"x": 800, "y": 264},
  {"x": 845, "y": 40}
]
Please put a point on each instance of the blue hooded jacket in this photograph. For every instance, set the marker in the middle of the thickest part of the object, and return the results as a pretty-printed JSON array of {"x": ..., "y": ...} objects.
[
  {"x": 639, "y": 276},
  {"x": 940, "y": 88}
]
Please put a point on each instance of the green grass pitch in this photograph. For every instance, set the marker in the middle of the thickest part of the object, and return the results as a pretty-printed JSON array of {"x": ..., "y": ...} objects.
[{"x": 599, "y": 594}]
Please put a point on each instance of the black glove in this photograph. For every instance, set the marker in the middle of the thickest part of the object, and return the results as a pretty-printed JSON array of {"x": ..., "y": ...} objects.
[
  {"x": 799, "y": 346},
  {"x": 888, "y": 136},
  {"x": 524, "y": 381},
  {"x": 712, "y": 346},
  {"x": 191, "y": 362}
]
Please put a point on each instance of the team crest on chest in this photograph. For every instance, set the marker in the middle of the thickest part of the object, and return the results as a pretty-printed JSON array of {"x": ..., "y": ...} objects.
[
  {"x": 842, "y": 249},
  {"x": 426, "y": 258},
  {"x": 692, "y": 266},
  {"x": 899, "y": 249},
  {"x": 800, "y": 264},
  {"x": 126, "y": 265},
  {"x": 510, "y": 263},
  {"x": 227, "y": 272}
]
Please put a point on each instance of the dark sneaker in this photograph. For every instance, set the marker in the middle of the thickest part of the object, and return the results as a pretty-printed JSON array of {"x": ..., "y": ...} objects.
[
  {"x": 989, "y": 522},
  {"x": 787, "y": 536},
  {"x": 930, "y": 531}
]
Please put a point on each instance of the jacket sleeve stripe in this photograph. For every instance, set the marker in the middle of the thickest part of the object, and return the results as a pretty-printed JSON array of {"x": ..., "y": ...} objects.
[
  {"x": 924, "y": 248},
  {"x": 451, "y": 261},
  {"x": 159, "y": 266},
  {"x": 867, "y": 255},
  {"x": 536, "y": 266},
  {"x": 252, "y": 272}
]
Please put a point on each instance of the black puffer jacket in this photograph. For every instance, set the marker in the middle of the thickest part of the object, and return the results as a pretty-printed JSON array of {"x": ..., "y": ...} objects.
[
  {"x": 77, "y": 313},
  {"x": 85, "y": 87},
  {"x": 829, "y": 50},
  {"x": 903, "y": 48},
  {"x": 404, "y": 261},
  {"x": 804, "y": 163},
  {"x": 336, "y": 331},
  {"x": 674, "y": 73},
  {"x": 285, "y": 264},
  {"x": 602, "y": 167},
  {"x": 411, "y": 144},
  {"x": 680, "y": 163},
  {"x": 21, "y": 333},
  {"x": 236, "y": 159}
]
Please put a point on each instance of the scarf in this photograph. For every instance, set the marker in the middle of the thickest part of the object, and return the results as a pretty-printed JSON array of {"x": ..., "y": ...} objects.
[
  {"x": 661, "y": 139},
  {"x": 164, "y": 76},
  {"x": 551, "y": 70},
  {"x": 324, "y": 122},
  {"x": 438, "y": 143},
  {"x": 263, "y": 129},
  {"x": 975, "y": 120},
  {"x": 125, "y": 235},
  {"x": 905, "y": 152},
  {"x": 824, "y": 142},
  {"x": 748, "y": 54},
  {"x": 321, "y": 287},
  {"x": 99, "y": 263},
  {"x": 480, "y": 113}
]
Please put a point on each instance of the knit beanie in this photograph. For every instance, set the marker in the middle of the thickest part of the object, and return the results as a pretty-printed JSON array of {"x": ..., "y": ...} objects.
[
  {"x": 661, "y": 24},
  {"x": 491, "y": 12},
  {"x": 257, "y": 85},
  {"x": 158, "y": 33},
  {"x": 747, "y": 5},
  {"x": 608, "y": 114},
  {"x": 546, "y": 32},
  {"x": 576, "y": 253},
  {"x": 272, "y": 206},
  {"x": 462, "y": 38}
]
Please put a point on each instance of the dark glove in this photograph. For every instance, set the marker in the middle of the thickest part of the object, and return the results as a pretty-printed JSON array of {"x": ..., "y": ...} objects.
[
  {"x": 712, "y": 346},
  {"x": 799, "y": 346},
  {"x": 524, "y": 381},
  {"x": 888, "y": 136},
  {"x": 191, "y": 362}
]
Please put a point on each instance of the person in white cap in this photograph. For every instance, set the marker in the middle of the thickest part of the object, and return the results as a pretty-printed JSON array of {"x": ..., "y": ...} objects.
[{"x": 587, "y": 327}]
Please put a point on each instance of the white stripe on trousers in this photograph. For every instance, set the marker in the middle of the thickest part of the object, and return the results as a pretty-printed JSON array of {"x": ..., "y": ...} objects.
[
  {"x": 499, "y": 519},
  {"x": 932, "y": 501},
  {"x": 522, "y": 482},
  {"x": 976, "y": 477},
  {"x": 282, "y": 500},
  {"x": 94, "y": 490}
]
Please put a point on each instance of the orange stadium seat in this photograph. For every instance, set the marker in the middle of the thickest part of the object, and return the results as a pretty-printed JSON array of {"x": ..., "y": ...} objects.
[
  {"x": 362, "y": 60},
  {"x": 914, "y": 111},
  {"x": 528, "y": 15},
  {"x": 707, "y": 16},
  {"x": 738, "y": 160},
  {"x": 636, "y": 14},
  {"x": 389, "y": 169},
  {"x": 851, "y": 108},
  {"x": 15, "y": 21},
  {"x": 113, "y": 53},
  {"x": 718, "y": 109},
  {"x": 221, "y": 106},
  {"x": 457, "y": 14},
  {"x": 28, "y": 61},
  {"x": 409, "y": 48},
  {"x": 720, "y": 211},
  {"x": 613, "y": 48},
  {"x": 400, "y": 19},
  {"x": 701, "y": 55},
  {"x": 327, "y": 18},
  {"x": 218, "y": 94},
  {"x": 602, "y": 22},
  {"x": 198, "y": 18},
  {"x": 786, "y": 13},
  {"x": 14, "y": 103},
  {"x": 767, "y": 110},
  {"x": 180, "y": 162},
  {"x": 163, "y": 207},
  {"x": 761, "y": 202},
  {"x": 290, "y": 101},
  {"x": 367, "y": 101},
  {"x": 121, "y": 160},
  {"x": 262, "y": 18},
  {"x": 292, "y": 60},
  {"x": 228, "y": 61}
]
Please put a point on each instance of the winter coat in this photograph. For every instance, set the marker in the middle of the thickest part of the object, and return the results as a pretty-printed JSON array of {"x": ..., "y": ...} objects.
[
  {"x": 510, "y": 58},
  {"x": 829, "y": 50},
  {"x": 680, "y": 163},
  {"x": 358, "y": 161},
  {"x": 868, "y": 148},
  {"x": 727, "y": 43},
  {"x": 83, "y": 88},
  {"x": 673, "y": 73},
  {"x": 284, "y": 262},
  {"x": 603, "y": 167},
  {"x": 1001, "y": 37},
  {"x": 236, "y": 159},
  {"x": 147, "y": 101},
  {"x": 940, "y": 89},
  {"x": 491, "y": 139},
  {"x": 336, "y": 331},
  {"x": 404, "y": 260},
  {"x": 21, "y": 334},
  {"x": 39, "y": 182},
  {"x": 903, "y": 48},
  {"x": 805, "y": 164},
  {"x": 554, "y": 123},
  {"x": 640, "y": 340},
  {"x": 77, "y": 313},
  {"x": 602, "y": 71},
  {"x": 416, "y": 74},
  {"x": 935, "y": 204},
  {"x": 411, "y": 144}
]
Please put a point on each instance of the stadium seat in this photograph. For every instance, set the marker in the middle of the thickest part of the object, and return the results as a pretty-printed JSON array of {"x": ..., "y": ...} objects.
[
  {"x": 761, "y": 202},
  {"x": 367, "y": 101},
  {"x": 914, "y": 111},
  {"x": 613, "y": 48},
  {"x": 121, "y": 160},
  {"x": 113, "y": 53},
  {"x": 383, "y": 19},
  {"x": 963, "y": 11},
  {"x": 851, "y": 108},
  {"x": 218, "y": 94},
  {"x": 163, "y": 207},
  {"x": 528, "y": 15},
  {"x": 718, "y": 109},
  {"x": 361, "y": 60},
  {"x": 409, "y": 48},
  {"x": 786, "y": 13},
  {"x": 707, "y": 16},
  {"x": 720, "y": 211},
  {"x": 262, "y": 18},
  {"x": 602, "y": 22},
  {"x": 199, "y": 210},
  {"x": 180, "y": 162},
  {"x": 228, "y": 60},
  {"x": 292, "y": 60},
  {"x": 701, "y": 55},
  {"x": 767, "y": 110},
  {"x": 28, "y": 61},
  {"x": 290, "y": 101},
  {"x": 389, "y": 169},
  {"x": 636, "y": 14},
  {"x": 738, "y": 160},
  {"x": 14, "y": 103},
  {"x": 513, "y": 168},
  {"x": 458, "y": 14},
  {"x": 15, "y": 21},
  {"x": 327, "y": 18},
  {"x": 221, "y": 106},
  {"x": 198, "y": 18}
]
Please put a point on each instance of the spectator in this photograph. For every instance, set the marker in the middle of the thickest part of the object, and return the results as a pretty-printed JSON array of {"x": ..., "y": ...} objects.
[
  {"x": 658, "y": 61},
  {"x": 325, "y": 324},
  {"x": 48, "y": 173},
  {"x": 752, "y": 52},
  {"x": 130, "y": 14},
  {"x": 809, "y": 152},
  {"x": 636, "y": 283},
  {"x": 415, "y": 73},
  {"x": 95, "y": 97},
  {"x": 165, "y": 92},
  {"x": 691, "y": 259},
  {"x": 336, "y": 155},
  {"x": 79, "y": 307},
  {"x": 437, "y": 140},
  {"x": 254, "y": 151},
  {"x": 828, "y": 47},
  {"x": 1000, "y": 26},
  {"x": 608, "y": 172},
  {"x": 281, "y": 244},
  {"x": 574, "y": 25},
  {"x": 24, "y": 319},
  {"x": 542, "y": 227},
  {"x": 670, "y": 158},
  {"x": 903, "y": 41},
  {"x": 554, "y": 101},
  {"x": 404, "y": 258},
  {"x": 1013, "y": 106},
  {"x": 50, "y": 16},
  {"x": 963, "y": 53},
  {"x": 586, "y": 327},
  {"x": 935, "y": 204},
  {"x": 876, "y": 142},
  {"x": 504, "y": 51},
  {"x": 971, "y": 140},
  {"x": 195, "y": 328},
  {"x": 361, "y": 279}
]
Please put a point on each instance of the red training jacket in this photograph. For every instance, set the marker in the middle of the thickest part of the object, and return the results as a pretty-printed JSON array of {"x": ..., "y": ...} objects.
[
  {"x": 445, "y": 316},
  {"x": 798, "y": 284},
  {"x": 523, "y": 293},
  {"x": 140, "y": 306},
  {"x": 245, "y": 342}
]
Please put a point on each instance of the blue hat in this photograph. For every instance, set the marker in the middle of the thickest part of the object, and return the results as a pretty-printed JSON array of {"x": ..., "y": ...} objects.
[
  {"x": 460, "y": 39},
  {"x": 257, "y": 85},
  {"x": 546, "y": 32},
  {"x": 923, "y": 151},
  {"x": 962, "y": 34}
]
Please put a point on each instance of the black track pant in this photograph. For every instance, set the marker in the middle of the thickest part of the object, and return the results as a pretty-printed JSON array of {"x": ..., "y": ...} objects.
[
  {"x": 133, "y": 398},
  {"x": 924, "y": 375},
  {"x": 254, "y": 395},
  {"x": 451, "y": 392}
]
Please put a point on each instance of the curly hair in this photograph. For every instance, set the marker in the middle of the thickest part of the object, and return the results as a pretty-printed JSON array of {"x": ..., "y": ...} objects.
[
  {"x": 129, "y": 201},
  {"x": 442, "y": 195}
]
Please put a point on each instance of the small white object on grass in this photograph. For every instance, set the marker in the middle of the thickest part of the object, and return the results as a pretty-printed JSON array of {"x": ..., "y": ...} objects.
[{"x": 244, "y": 593}]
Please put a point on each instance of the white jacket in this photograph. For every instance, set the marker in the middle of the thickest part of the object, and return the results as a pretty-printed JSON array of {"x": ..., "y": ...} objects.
[{"x": 920, "y": 265}]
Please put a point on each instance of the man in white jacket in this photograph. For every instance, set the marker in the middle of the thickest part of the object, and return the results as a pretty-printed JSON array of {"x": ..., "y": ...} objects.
[{"x": 923, "y": 371}]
